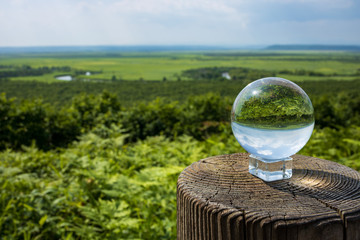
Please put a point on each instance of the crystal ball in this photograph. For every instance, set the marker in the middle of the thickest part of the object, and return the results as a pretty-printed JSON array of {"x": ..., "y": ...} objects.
[{"x": 272, "y": 118}]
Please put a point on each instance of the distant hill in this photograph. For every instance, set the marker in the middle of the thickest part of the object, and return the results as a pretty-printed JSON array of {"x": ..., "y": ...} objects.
[
  {"x": 170, "y": 48},
  {"x": 351, "y": 48},
  {"x": 76, "y": 49}
]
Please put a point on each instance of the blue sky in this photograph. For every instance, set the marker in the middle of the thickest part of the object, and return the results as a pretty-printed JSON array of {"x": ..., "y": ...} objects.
[{"x": 178, "y": 22}]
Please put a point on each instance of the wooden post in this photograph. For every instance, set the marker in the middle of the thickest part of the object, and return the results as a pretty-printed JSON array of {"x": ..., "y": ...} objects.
[{"x": 217, "y": 198}]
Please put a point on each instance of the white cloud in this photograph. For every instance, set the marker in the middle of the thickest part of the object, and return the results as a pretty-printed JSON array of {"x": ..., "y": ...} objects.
[
  {"x": 322, "y": 31},
  {"x": 319, "y": 3},
  {"x": 179, "y": 6},
  {"x": 211, "y": 22},
  {"x": 265, "y": 152}
]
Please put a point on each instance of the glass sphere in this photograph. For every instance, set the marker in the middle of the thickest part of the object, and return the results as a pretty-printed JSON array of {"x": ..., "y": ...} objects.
[{"x": 272, "y": 118}]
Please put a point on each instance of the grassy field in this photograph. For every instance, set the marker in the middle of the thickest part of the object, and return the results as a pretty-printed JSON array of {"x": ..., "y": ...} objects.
[{"x": 156, "y": 66}]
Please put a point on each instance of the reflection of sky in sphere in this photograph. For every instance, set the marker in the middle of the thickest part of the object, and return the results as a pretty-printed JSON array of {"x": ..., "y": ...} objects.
[{"x": 272, "y": 144}]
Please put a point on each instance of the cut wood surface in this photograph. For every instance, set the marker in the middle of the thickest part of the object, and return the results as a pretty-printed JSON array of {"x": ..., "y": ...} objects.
[{"x": 217, "y": 198}]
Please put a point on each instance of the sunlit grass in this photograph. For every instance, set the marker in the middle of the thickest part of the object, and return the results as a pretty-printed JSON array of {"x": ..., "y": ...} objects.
[{"x": 156, "y": 66}]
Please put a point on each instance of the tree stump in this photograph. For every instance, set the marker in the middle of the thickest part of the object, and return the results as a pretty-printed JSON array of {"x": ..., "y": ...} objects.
[{"x": 217, "y": 198}]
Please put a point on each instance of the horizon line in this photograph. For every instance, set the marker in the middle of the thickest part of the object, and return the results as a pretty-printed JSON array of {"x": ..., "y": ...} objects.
[{"x": 176, "y": 48}]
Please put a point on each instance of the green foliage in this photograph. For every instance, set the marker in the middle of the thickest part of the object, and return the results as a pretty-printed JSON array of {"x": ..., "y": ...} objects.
[
  {"x": 5, "y": 108},
  {"x": 201, "y": 116},
  {"x": 47, "y": 127},
  {"x": 90, "y": 110},
  {"x": 275, "y": 107},
  {"x": 130, "y": 92},
  {"x": 157, "y": 117},
  {"x": 98, "y": 188},
  {"x": 198, "y": 117},
  {"x": 236, "y": 73},
  {"x": 25, "y": 70},
  {"x": 101, "y": 188},
  {"x": 341, "y": 145},
  {"x": 341, "y": 109},
  {"x": 102, "y": 165},
  {"x": 20, "y": 125}
]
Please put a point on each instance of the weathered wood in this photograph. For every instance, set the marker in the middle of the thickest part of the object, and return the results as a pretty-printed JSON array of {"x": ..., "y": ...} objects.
[{"x": 219, "y": 199}]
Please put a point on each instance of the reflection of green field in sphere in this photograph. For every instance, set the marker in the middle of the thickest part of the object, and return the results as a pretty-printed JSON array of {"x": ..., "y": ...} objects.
[{"x": 273, "y": 103}]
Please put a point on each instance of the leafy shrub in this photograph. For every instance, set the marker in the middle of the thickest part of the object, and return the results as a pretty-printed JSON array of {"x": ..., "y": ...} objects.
[
  {"x": 154, "y": 118},
  {"x": 98, "y": 188},
  {"x": 341, "y": 109},
  {"x": 198, "y": 116}
]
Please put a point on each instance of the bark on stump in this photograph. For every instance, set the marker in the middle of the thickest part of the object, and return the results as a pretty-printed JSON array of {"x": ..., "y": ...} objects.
[{"x": 217, "y": 198}]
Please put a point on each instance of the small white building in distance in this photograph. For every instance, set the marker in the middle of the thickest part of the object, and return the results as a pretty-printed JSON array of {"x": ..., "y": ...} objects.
[{"x": 226, "y": 75}]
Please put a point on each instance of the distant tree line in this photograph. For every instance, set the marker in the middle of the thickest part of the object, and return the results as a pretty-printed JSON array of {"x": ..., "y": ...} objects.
[
  {"x": 216, "y": 73},
  {"x": 26, "y": 70},
  {"x": 248, "y": 74},
  {"x": 129, "y": 93},
  {"x": 302, "y": 72}
]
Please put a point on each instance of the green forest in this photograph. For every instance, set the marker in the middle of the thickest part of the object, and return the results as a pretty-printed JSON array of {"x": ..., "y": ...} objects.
[{"x": 99, "y": 158}]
